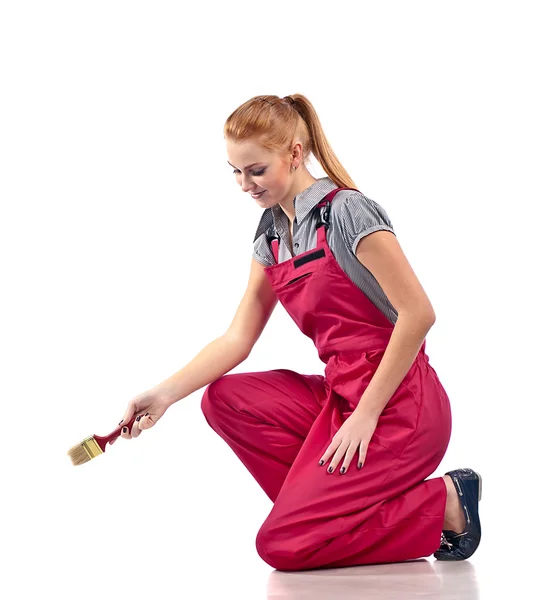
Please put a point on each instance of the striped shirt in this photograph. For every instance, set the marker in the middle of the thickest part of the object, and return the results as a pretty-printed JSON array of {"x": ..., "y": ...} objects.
[{"x": 352, "y": 216}]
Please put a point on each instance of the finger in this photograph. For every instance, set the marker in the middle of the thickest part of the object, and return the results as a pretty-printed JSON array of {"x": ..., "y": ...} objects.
[
  {"x": 125, "y": 433},
  {"x": 135, "y": 427},
  {"x": 338, "y": 456},
  {"x": 329, "y": 452},
  {"x": 145, "y": 422},
  {"x": 362, "y": 453},
  {"x": 349, "y": 457}
]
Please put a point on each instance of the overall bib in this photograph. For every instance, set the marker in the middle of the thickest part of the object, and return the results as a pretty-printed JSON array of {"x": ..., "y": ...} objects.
[{"x": 279, "y": 423}]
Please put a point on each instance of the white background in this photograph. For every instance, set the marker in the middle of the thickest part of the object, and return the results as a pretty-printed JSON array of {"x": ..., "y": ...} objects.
[{"x": 112, "y": 159}]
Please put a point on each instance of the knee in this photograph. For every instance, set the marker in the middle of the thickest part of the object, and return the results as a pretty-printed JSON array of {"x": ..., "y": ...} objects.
[
  {"x": 279, "y": 554},
  {"x": 210, "y": 395},
  {"x": 221, "y": 395}
]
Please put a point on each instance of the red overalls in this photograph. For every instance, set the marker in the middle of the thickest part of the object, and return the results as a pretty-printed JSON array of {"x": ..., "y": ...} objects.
[{"x": 279, "y": 423}]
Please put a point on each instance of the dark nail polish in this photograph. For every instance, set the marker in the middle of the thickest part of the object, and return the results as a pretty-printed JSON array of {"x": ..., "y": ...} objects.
[
  {"x": 146, "y": 414},
  {"x": 121, "y": 422},
  {"x": 138, "y": 417},
  {"x": 330, "y": 470},
  {"x": 124, "y": 429},
  {"x": 342, "y": 470},
  {"x": 321, "y": 463},
  {"x": 360, "y": 465}
]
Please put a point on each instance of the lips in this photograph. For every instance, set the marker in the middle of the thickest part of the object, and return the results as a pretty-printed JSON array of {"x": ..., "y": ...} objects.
[{"x": 258, "y": 195}]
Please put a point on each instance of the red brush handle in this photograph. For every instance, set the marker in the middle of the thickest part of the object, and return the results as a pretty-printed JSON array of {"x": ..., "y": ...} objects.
[{"x": 103, "y": 440}]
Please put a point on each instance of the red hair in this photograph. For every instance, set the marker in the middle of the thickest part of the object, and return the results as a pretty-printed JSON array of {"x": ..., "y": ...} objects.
[{"x": 276, "y": 122}]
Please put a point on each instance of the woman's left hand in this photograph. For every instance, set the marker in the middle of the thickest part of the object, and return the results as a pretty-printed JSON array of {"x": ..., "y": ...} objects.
[{"x": 355, "y": 433}]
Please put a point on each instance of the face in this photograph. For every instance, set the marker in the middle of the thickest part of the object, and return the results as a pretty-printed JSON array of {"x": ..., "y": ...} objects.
[{"x": 259, "y": 170}]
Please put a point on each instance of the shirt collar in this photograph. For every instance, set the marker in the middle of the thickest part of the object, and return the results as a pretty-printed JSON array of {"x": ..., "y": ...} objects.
[{"x": 303, "y": 204}]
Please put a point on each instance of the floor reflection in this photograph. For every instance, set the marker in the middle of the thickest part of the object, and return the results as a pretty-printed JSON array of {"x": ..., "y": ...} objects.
[{"x": 396, "y": 581}]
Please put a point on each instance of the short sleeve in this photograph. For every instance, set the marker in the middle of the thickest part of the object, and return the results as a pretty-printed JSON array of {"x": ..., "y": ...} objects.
[
  {"x": 360, "y": 216},
  {"x": 262, "y": 252}
]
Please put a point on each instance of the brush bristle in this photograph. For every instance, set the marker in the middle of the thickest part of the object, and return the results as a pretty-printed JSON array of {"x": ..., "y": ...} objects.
[
  {"x": 78, "y": 455},
  {"x": 84, "y": 451}
]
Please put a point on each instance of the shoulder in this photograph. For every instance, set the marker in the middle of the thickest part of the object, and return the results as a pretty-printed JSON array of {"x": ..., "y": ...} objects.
[
  {"x": 261, "y": 247},
  {"x": 262, "y": 251},
  {"x": 349, "y": 203},
  {"x": 266, "y": 221},
  {"x": 356, "y": 215}
]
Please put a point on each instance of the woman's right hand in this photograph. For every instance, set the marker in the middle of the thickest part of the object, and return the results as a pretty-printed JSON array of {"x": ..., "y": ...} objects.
[{"x": 151, "y": 405}]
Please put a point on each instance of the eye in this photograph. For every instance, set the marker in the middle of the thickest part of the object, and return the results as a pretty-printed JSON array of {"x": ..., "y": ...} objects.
[{"x": 258, "y": 174}]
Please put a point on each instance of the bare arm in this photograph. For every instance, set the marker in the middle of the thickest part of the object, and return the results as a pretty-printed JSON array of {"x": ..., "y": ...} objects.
[
  {"x": 233, "y": 347},
  {"x": 217, "y": 358}
]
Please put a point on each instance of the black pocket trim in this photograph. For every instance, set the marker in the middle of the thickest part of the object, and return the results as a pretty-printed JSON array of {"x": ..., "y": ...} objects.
[
  {"x": 297, "y": 278},
  {"x": 309, "y": 257}
]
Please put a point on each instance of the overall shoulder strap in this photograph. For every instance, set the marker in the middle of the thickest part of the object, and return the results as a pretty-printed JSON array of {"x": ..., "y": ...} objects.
[{"x": 324, "y": 206}]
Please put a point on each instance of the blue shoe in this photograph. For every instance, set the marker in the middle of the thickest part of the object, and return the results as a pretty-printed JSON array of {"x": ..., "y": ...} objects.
[{"x": 460, "y": 546}]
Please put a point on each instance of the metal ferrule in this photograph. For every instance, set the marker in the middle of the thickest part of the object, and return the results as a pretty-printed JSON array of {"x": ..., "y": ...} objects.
[{"x": 91, "y": 446}]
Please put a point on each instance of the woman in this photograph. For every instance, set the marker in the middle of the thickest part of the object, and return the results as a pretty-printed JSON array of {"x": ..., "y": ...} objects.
[{"x": 343, "y": 456}]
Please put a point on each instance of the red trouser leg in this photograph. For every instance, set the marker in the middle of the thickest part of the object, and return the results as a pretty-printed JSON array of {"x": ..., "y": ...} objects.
[
  {"x": 384, "y": 512},
  {"x": 264, "y": 416}
]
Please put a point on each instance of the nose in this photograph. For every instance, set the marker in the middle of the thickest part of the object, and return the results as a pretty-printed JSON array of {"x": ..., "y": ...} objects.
[{"x": 246, "y": 183}]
